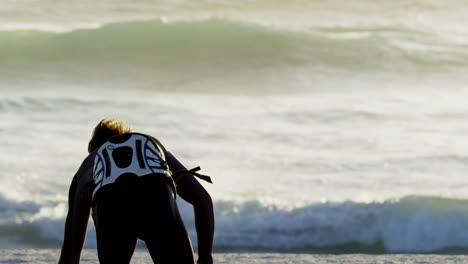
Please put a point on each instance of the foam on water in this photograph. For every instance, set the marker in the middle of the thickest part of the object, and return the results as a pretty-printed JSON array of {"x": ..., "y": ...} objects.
[{"x": 410, "y": 224}]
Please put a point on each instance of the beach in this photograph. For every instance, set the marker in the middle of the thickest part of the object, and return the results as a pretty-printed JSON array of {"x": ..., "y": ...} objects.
[{"x": 44, "y": 256}]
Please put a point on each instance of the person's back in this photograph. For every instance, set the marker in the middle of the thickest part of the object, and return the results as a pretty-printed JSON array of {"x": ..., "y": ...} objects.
[{"x": 134, "y": 197}]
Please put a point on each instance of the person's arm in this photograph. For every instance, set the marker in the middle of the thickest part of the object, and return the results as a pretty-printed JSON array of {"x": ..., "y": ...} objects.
[
  {"x": 193, "y": 192},
  {"x": 79, "y": 208}
]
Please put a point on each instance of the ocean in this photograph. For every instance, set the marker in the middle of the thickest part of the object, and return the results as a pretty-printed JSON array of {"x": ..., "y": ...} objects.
[{"x": 327, "y": 126}]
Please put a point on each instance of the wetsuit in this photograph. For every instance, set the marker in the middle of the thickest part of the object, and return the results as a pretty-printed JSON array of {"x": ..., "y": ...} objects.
[{"x": 134, "y": 198}]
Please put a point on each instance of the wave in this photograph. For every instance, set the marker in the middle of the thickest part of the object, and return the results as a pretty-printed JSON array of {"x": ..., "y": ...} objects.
[
  {"x": 149, "y": 43},
  {"x": 220, "y": 55},
  {"x": 21, "y": 223},
  {"x": 222, "y": 43},
  {"x": 412, "y": 224},
  {"x": 46, "y": 104}
]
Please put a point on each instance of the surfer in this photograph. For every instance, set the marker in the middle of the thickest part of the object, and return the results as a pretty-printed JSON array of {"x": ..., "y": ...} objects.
[{"x": 129, "y": 182}]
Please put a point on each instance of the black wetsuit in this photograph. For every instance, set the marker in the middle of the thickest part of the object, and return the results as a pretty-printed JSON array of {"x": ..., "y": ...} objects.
[{"x": 134, "y": 198}]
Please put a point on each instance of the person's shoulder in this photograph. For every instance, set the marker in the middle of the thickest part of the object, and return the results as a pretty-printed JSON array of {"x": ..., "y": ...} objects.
[
  {"x": 86, "y": 166},
  {"x": 89, "y": 160},
  {"x": 154, "y": 139},
  {"x": 150, "y": 136}
]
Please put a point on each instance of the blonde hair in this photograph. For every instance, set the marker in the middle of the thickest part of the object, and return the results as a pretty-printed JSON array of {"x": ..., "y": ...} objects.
[{"x": 106, "y": 129}]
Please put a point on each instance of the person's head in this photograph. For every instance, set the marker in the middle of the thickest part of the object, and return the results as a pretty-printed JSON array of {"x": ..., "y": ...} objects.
[{"x": 106, "y": 129}]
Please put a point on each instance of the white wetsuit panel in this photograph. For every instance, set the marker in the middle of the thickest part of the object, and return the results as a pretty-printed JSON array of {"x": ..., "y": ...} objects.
[{"x": 141, "y": 156}]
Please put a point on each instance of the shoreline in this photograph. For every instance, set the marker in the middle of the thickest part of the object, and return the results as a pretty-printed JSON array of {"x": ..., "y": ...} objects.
[{"x": 13, "y": 256}]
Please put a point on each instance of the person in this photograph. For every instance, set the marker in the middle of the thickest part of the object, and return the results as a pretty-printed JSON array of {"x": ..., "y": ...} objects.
[{"x": 129, "y": 182}]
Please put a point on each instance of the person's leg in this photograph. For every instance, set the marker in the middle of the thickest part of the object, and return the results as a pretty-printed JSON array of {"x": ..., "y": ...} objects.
[
  {"x": 171, "y": 245},
  {"x": 115, "y": 230},
  {"x": 163, "y": 231},
  {"x": 114, "y": 247}
]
